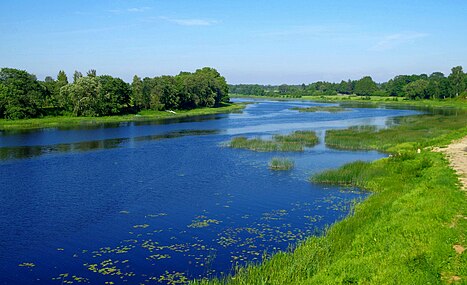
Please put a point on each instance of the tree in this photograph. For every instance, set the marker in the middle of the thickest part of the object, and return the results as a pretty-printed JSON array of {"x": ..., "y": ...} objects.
[
  {"x": 437, "y": 86},
  {"x": 21, "y": 95},
  {"x": 77, "y": 75},
  {"x": 91, "y": 73},
  {"x": 96, "y": 96},
  {"x": 456, "y": 81},
  {"x": 365, "y": 86},
  {"x": 62, "y": 78},
  {"x": 417, "y": 89},
  {"x": 165, "y": 93},
  {"x": 113, "y": 95},
  {"x": 80, "y": 98},
  {"x": 137, "y": 96}
]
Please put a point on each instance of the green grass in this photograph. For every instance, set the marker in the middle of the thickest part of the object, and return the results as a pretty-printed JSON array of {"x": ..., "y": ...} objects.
[
  {"x": 281, "y": 163},
  {"x": 294, "y": 142},
  {"x": 403, "y": 233},
  {"x": 411, "y": 133},
  {"x": 398, "y": 102},
  {"x": 330, "y": 109},
  {"x": 148, "y": 115}
]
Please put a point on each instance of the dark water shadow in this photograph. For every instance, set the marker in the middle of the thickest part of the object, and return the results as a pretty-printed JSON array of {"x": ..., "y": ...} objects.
[{"x": 22, "y": 152}]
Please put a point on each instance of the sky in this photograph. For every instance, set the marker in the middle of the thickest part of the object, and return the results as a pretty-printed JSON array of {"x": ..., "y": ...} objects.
[{"x": 264, "y": 42}]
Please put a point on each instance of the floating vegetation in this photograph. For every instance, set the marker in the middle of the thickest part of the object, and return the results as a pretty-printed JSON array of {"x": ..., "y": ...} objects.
[
  {"x": 141, "y": 226},
  {"x": 124, "y": 212},
  {"x": 108, "y": 267},
  {"x": 260, "y": 236},
  {"x": 27, "y": 264},
  {"x": 274, "y": 215},
  {"x": 330, "y": 109},
  {"x": 281, "y": 163},
  {"x": 158, "y": 256},
  {"x": 294, "y": 142},
  {"x": 156, "y": 215},
  {"x": 173, "y": 278},
  {"x": 202, "y": 222},
  {"x": 64, "y": 276}
]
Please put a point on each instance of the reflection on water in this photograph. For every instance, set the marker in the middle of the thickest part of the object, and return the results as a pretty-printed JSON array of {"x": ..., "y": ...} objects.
[{"x": 7, "y": 153}]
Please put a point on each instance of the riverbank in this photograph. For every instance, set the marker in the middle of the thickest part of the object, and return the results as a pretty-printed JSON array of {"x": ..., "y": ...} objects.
[
  {"x": 410, "y": 231},
  {"x": 143, "y": 116},
  {"x": 456, "y": 152},
  {"x": 458, "y": 103}
]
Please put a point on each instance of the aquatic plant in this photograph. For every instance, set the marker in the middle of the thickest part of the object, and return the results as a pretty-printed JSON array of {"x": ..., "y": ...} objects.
[
  {"x": 294, "y": 142},
  {"x": 330, "y": 109},
  {"x": 281, "y": 163}
]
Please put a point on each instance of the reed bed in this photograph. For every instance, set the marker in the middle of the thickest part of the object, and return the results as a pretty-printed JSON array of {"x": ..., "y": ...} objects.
[
  {"x": 330, "y": 109},
  {"x": 281, "y": 163},
  {"x": 294, "y": 142}
]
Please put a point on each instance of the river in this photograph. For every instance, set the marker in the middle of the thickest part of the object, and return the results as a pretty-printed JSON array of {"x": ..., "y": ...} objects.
[{"x": 161, "y": 202}]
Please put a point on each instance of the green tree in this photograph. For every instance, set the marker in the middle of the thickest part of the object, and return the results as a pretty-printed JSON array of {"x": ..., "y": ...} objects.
[
  {"x": 137, "y": 96},
  {"x": 62, "y": 78},
  {"x": 164, "y": 93},
  {"x": 113, "y": 95},
  {"x": 80, "y": 98},
  {"x": 417, "y": 89},
  {"x": 21, "y": 95},
  {"x": 77, "y": 75},
  {"x": 91, "y": 73},
  {"x": 456, "y": 81},
  {"x": 437, "y": 86},
  {"x": 365, "y": 86}
]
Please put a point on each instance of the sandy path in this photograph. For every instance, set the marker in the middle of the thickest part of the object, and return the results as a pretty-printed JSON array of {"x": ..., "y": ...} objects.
[{"x": 456, "y": 152}]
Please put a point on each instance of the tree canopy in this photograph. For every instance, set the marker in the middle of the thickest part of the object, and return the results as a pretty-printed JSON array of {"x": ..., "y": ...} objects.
[{"x": 23, "y": 96}]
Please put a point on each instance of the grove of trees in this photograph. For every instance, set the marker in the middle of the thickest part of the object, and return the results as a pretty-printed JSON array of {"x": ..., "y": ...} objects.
[
  {"x": 23, "y": 96},
  {"x": 434, "y": 86}
]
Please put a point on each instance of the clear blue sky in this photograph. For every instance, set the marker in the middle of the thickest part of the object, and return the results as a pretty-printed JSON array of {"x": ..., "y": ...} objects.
[{"x": 267, "y": 42}]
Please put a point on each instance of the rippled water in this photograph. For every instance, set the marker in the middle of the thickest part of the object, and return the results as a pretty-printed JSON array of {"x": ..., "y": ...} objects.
[{"x": 160, "y": 202}]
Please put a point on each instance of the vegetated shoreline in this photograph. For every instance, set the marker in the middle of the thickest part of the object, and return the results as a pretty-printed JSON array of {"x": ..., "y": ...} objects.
[
  {"x": 143, "y": 116},
  {"x": 410, "y": 231},
  {"x": 457, "y": 103}
]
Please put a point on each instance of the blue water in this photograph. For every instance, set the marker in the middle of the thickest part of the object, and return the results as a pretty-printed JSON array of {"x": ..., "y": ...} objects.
[{"x": 148, "y": 203}]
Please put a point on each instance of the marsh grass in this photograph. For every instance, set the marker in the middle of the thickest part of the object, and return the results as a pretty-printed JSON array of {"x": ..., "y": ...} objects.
[
  {"x": 403, "y": 233},
  {"x": 294, "y": 142},
  {"x": 411, "y": 133},
  {"x": 330, "y": 109},
  {"x": 281, "y": 163}
]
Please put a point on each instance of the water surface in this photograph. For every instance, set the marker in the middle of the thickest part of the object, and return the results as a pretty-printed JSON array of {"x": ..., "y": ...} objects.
[{"x": 165, "y": 201}]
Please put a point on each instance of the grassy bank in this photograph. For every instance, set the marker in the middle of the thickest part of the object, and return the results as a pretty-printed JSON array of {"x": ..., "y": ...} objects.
[
  {"x": 70, "y": 122},
  {"x": 458, "y": 103},
  {"x": 404, "y": 233},
  {"x": 330, "y": 109},
  {"x": 296, "y": 141}
]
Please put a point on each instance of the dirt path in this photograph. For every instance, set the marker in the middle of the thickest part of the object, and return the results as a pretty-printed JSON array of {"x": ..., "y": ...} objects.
[{"x": 457, "y": 155}]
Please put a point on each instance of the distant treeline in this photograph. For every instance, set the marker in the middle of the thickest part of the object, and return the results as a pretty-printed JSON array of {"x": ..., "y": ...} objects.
[
  {"x": 23, "y": 96},
  {"x": 423, "y": 86}
]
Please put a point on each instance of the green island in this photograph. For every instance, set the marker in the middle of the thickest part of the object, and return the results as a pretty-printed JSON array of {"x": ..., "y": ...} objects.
[
  {"x": 281, "y": 163},
  {"x": 330, "y": 109},
  {"x": 294, "y": 142},
  {"x": 411, "y": 230}
]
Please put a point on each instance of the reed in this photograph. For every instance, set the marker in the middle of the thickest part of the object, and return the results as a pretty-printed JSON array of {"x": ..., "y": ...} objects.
[
  {"x": 281, "y": 163},
  {"x": 330, "y": 109},
  {"x": 294, "y": 142}
]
